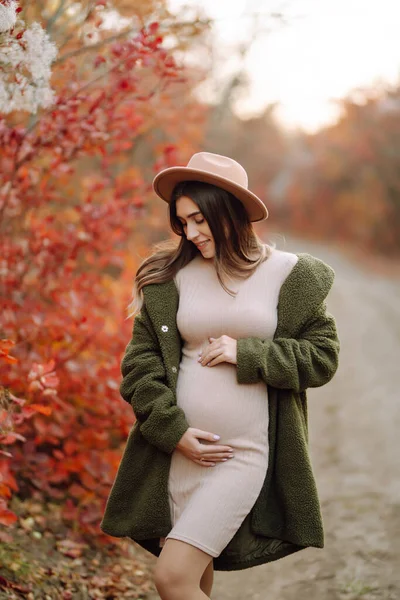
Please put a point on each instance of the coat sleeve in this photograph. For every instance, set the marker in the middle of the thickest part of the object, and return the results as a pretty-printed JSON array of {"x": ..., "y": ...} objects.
[
  {"x": 310, "y": 360},
  {"x": 161, "y": 422}
]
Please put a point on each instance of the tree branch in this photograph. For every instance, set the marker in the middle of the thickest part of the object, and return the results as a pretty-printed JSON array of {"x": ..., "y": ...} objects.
[
  {"x": 173, "y": 27},
  {"x": 55, "y": 16},
  {"x": 95, "y": 46}
]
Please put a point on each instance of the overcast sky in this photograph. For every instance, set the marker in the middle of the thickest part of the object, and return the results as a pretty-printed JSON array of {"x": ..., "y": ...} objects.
[{"x": 328, "y": 48}]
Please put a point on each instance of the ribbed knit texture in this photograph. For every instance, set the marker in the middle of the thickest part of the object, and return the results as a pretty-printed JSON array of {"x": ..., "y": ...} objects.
[{"x": 208, "y": 504}]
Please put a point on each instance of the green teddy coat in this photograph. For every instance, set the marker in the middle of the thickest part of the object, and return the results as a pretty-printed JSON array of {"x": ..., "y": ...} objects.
[{"x": 304, "y": 353}]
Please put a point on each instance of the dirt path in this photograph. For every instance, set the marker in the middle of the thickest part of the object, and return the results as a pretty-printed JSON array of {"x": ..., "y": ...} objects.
[{"x": 355, "y": 449}]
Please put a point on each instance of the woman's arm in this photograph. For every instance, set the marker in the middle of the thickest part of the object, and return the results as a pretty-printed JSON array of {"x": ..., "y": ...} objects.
[
  {"x": 311, "y": 360},
  {"x": 161, "y": 422}
]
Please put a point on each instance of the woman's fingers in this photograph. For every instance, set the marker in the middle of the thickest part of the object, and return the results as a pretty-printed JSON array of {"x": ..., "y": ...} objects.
[
  {"x": 207, "y": 358},
  {"x": 223, "y": 349},
  {"x": 220, "y": 456},
  {"x": 207, "y": 436},
  {"x": 210, "y": 460},
  {"x": 206, "y": 463},
  {"x": 206, "y": 449},
  {"x": 193, "y": 449}
]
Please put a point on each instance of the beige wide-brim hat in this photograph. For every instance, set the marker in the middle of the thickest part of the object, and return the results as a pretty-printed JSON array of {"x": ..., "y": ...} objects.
[{"x": 219, "y": 170}]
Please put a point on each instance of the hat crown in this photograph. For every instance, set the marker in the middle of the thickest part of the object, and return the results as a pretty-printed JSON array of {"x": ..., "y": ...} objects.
[
  {"x": 221, "y": 171},
  {"x": 221, "y": 166}
]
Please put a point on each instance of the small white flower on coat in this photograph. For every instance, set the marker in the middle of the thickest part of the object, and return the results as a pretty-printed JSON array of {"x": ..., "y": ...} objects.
[
  {"x": 174, "y": 369},
  {"x": 164, "y": 328}
]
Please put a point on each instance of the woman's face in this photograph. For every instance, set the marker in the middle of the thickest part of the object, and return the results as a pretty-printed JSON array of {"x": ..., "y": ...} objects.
[{"x": 195, "y": 226}]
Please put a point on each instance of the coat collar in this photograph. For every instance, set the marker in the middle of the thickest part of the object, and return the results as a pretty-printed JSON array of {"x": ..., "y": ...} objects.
[{"x": 303, "y": 291}]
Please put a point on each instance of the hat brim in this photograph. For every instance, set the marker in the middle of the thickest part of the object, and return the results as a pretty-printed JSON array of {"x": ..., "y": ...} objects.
[{"x": 165, "y": 181}]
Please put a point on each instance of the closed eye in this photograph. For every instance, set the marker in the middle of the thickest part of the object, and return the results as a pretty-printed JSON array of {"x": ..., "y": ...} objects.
[{"x": 197, "y": 223}]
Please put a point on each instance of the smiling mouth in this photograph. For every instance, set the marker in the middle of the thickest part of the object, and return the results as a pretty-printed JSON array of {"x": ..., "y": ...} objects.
[{"x": 202, "y": 244}]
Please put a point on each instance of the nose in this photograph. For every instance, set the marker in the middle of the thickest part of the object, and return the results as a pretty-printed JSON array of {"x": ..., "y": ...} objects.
[{"x": 192, "y": 231}]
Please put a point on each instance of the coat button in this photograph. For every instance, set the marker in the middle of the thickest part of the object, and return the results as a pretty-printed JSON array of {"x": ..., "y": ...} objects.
[
  {"x": 174, "y": 369},
  {"x": 164, "y": 328}
]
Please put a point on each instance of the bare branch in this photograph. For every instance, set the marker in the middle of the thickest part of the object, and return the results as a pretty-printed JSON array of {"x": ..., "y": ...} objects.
[
  {"x": 53, "y": 19},
  {"x": 95, "y": 46},
  {"x": 171, "y": 28}
]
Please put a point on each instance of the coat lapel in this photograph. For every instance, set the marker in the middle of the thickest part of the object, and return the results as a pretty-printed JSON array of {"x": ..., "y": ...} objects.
[
  {"x": 162, "y": 300},
  {"x": 303, "y": 291}
]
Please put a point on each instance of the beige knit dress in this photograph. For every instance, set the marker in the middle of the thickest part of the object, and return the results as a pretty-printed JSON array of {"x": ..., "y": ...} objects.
[{"x": 208, "y": 504}]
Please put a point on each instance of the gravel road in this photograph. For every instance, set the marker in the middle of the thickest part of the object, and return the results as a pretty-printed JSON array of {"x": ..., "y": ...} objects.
[{"x": 354, "y": 444}]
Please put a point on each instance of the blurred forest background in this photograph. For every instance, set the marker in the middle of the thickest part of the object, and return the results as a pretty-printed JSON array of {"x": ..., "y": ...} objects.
[{"x": 93, "y": 102}]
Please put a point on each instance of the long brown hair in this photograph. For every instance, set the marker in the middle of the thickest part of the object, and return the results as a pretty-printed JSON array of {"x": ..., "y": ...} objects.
[{"x": 238, "y": 249}]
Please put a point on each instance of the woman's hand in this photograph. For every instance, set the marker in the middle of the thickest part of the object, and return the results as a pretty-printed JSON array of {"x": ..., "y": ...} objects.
[
  {"x": 222, "y": 349},
  {"x": 190, "y": 446}
]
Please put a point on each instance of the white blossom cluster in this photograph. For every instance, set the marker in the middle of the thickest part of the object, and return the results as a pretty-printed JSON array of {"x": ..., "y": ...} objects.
[
  {"x": 25, "y": 68},
  {"x": 8, "y": 15}
]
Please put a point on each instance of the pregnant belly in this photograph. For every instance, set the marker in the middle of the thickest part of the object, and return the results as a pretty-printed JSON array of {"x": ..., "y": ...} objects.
[{"x": 214, "y": 401}]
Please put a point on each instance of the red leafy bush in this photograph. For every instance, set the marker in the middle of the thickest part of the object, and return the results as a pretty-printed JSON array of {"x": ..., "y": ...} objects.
[{"x": 66, "y": 215}]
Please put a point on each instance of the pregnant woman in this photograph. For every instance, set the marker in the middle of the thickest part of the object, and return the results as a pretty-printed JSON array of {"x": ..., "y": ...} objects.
[{"x": 229, "y": 333}]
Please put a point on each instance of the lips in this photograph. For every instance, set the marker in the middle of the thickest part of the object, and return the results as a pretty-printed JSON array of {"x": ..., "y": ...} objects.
[{"x": 202, "y": 244}]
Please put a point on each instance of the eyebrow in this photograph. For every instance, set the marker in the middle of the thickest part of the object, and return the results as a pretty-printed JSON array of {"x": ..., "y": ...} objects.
[{"x": 197, "y": 212}]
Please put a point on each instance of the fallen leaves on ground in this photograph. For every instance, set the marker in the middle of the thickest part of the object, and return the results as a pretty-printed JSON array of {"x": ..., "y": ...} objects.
[{"x": 55, "y": 566}]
